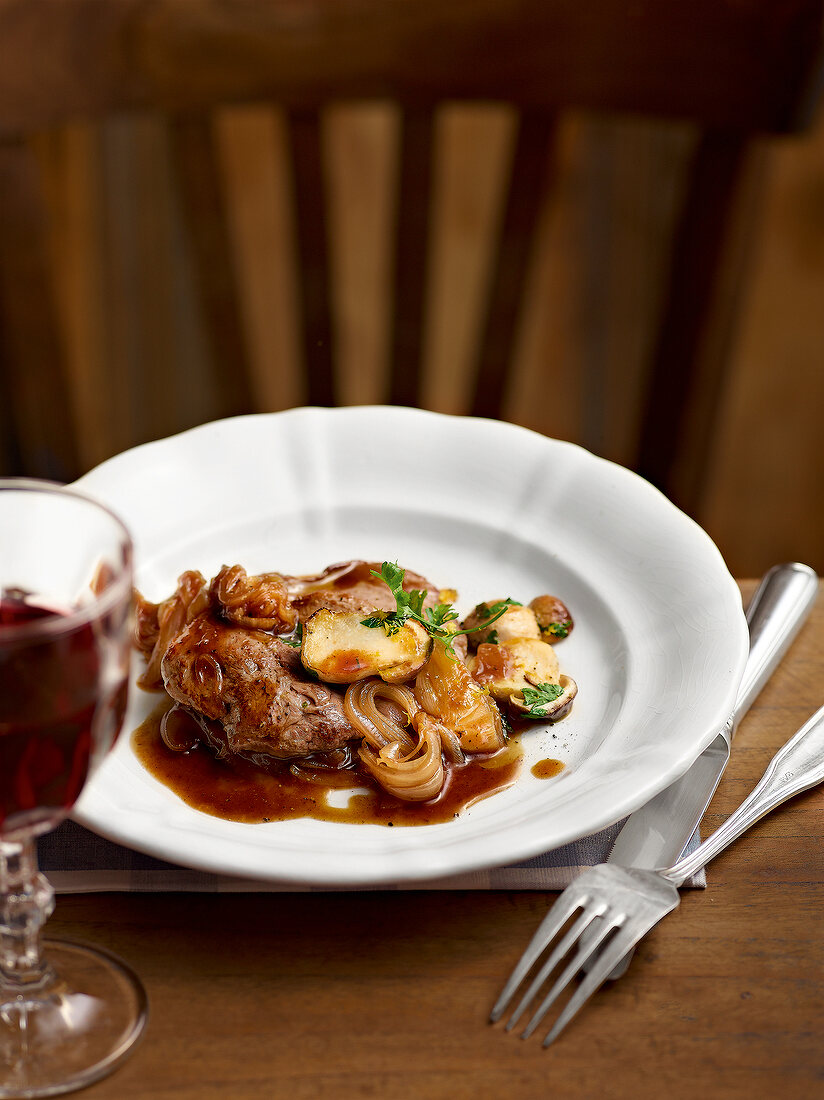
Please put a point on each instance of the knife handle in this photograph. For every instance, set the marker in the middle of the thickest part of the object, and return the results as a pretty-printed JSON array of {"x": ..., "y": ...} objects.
[
  {"x": 796, "y": 767},
  {"x": 776, "y": 613}
]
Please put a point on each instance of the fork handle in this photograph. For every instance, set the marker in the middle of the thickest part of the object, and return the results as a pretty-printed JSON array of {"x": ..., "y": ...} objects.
[{"x": 794, "y": 768}]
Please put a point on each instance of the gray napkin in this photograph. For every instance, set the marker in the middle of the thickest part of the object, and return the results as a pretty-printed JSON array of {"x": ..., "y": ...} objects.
[{"x": 78, "y": 861}]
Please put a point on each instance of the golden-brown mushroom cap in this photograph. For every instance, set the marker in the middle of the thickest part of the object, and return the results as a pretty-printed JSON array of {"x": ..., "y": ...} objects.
[
  {"x": 516, "y": 622},
  {"x": 507, "y": 668},
  {"x": 552, "y": 616},
  {"x": 341, "y": 650}
]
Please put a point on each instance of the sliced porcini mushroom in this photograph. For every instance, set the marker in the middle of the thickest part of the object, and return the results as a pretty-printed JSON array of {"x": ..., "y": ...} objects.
[
  {"x": 552, "y": 709},
  {"x": 507, "y": 668},
  {"x": 516, "y": 622},
  {"x": 523, "y": 675},
  {"x": 553, "y": 617},
  {"x": 340, "y": 649}
]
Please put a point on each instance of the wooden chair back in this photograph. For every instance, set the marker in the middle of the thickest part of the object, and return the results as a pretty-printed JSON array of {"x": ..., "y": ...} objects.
[{"x": 737, "y": 72}]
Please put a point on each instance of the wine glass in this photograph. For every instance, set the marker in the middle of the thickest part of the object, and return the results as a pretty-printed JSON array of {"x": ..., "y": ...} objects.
[{"x": 68, "y": 1013}]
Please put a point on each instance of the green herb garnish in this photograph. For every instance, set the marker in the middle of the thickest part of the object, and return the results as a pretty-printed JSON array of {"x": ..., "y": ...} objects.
[
  {"x": 295, "y": 640},
  {"x": 539, "y": 697},
  {"x": 559, "y": 629},
  {"x": 409, "y": 605}
]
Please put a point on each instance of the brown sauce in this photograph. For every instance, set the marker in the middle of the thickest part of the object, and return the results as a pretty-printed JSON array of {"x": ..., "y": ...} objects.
[
  {"x": 545, "y": 769},
  {"x": 240, "y": 790}
]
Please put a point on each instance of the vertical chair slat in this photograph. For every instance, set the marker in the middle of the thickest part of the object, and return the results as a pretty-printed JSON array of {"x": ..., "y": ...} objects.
[
  {"x": 197, "y": 168},
  {"x": 528, "y": 186},
  {"x": 36, "y": 421},
  {"x": 688, "y": 368},
  {"x": 413, "y": 214},
  {"x": 314, "y": 272}
]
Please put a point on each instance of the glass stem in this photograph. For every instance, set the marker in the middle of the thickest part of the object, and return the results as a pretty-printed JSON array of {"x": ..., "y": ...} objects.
[{"x": 26, "y": 903}]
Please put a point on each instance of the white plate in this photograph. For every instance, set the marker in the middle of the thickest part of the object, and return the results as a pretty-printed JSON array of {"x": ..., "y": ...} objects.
[{"x": 493, "y": 510}]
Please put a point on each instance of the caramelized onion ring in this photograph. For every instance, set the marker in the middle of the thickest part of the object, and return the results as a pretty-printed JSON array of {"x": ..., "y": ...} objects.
[
  {"x": 259, "y": 602},
  {"x": 179, "y": 730},
  {"x": 378, "y": 728},
  {"x": 408, "y": 768},
  {"x": 157, "y": 625},
  {"x": 415, "y": 776}
]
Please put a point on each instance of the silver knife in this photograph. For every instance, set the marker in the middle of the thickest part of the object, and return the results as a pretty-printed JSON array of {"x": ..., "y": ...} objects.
[{"x": 656, "y": 834}]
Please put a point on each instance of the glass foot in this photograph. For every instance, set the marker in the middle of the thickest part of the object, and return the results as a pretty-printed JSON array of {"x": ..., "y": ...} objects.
[{"x": 72, "y": 1030}]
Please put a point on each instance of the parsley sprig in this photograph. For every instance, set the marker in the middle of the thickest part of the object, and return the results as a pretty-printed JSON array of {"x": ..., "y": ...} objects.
[
  {"x": 539, "y": 697},
  {"x": 410, "y": 605},
  {"x": 559, "y": 629},
  {"x": 295, "y": 640}
]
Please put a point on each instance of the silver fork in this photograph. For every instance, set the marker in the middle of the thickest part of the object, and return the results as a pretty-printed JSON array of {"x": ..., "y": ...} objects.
[{"x": 629, "y": 901}]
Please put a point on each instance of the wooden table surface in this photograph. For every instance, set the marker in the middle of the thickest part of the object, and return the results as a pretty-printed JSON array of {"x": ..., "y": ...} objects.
[{"x": 387, "y": 994}]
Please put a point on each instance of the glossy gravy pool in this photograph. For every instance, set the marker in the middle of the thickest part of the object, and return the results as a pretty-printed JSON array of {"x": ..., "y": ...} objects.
[{"x": 240, "y": 790}]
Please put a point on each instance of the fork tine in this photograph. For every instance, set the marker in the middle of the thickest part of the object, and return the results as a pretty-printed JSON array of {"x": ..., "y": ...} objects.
[
  {"x": 549, "y": 927},
  {"x": 558, "y": 953},
  {"x": 625, "y": 939},
  {"x": 585, "y": 951}
]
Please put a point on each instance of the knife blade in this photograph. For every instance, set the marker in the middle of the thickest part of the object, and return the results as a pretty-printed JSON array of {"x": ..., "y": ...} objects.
[{"x": 656, "y": 834}]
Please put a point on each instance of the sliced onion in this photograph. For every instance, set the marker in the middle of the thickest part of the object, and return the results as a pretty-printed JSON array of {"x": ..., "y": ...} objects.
[
  {"x": 410, "y": 768},
  {"x": 179, "y": 731},
  {"x": 378, "y": 728},
  {"x": 451, "y": 745},
  {"x": 415, "y": 776},
  {"x": 259, "y": 602},
  {"x": 190, "y": 599}
]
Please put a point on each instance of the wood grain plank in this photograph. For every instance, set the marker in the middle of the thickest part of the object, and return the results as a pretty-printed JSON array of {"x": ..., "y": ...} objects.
[
  {"x": 763, "y": 501},
  {"x": 198, "y": 174},
  {"x": 631, "y": 180},
  {"x": 39, "y": 438},
  {"x": 473, "y": 155},
  {"x": 76, "y": 203},
  {"x": 313, "y": 264},
  {"x": 361, "y": 147},
  {"x": 685, "y": 386},
  {"x": 413, "y": 212},
  {"x": 748, "y": 62},
  {"x": 531, "y": 177},
  {"x": 170, "y": 388},
  {"x": 256, "y": 172},
  {"x": 550, "y": 390}
]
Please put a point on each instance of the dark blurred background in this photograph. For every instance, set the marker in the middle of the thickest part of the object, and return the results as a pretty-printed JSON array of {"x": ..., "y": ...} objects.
[{"x": 140, "y": 365}]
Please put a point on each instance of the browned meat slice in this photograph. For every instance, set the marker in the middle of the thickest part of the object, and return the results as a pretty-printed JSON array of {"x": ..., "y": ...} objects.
[
  {"x": 253, "y": 685},
  {"x": 350, "y": 586}
]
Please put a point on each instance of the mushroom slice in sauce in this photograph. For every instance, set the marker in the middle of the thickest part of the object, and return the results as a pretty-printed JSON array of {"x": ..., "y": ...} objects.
[
  {"x": 553, "y": 617},
  {"x": 340, "y": 649},
  {"x": 506, "y": 668},
  {"x": 554, "y": 709},
  {"x": 516, "y": 622}
]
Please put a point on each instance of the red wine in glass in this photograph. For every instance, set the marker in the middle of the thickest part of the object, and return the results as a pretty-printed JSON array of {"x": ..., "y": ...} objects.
[
  {"x": 68, "y": 1013},
  {"x": 51, "y": 711}
]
